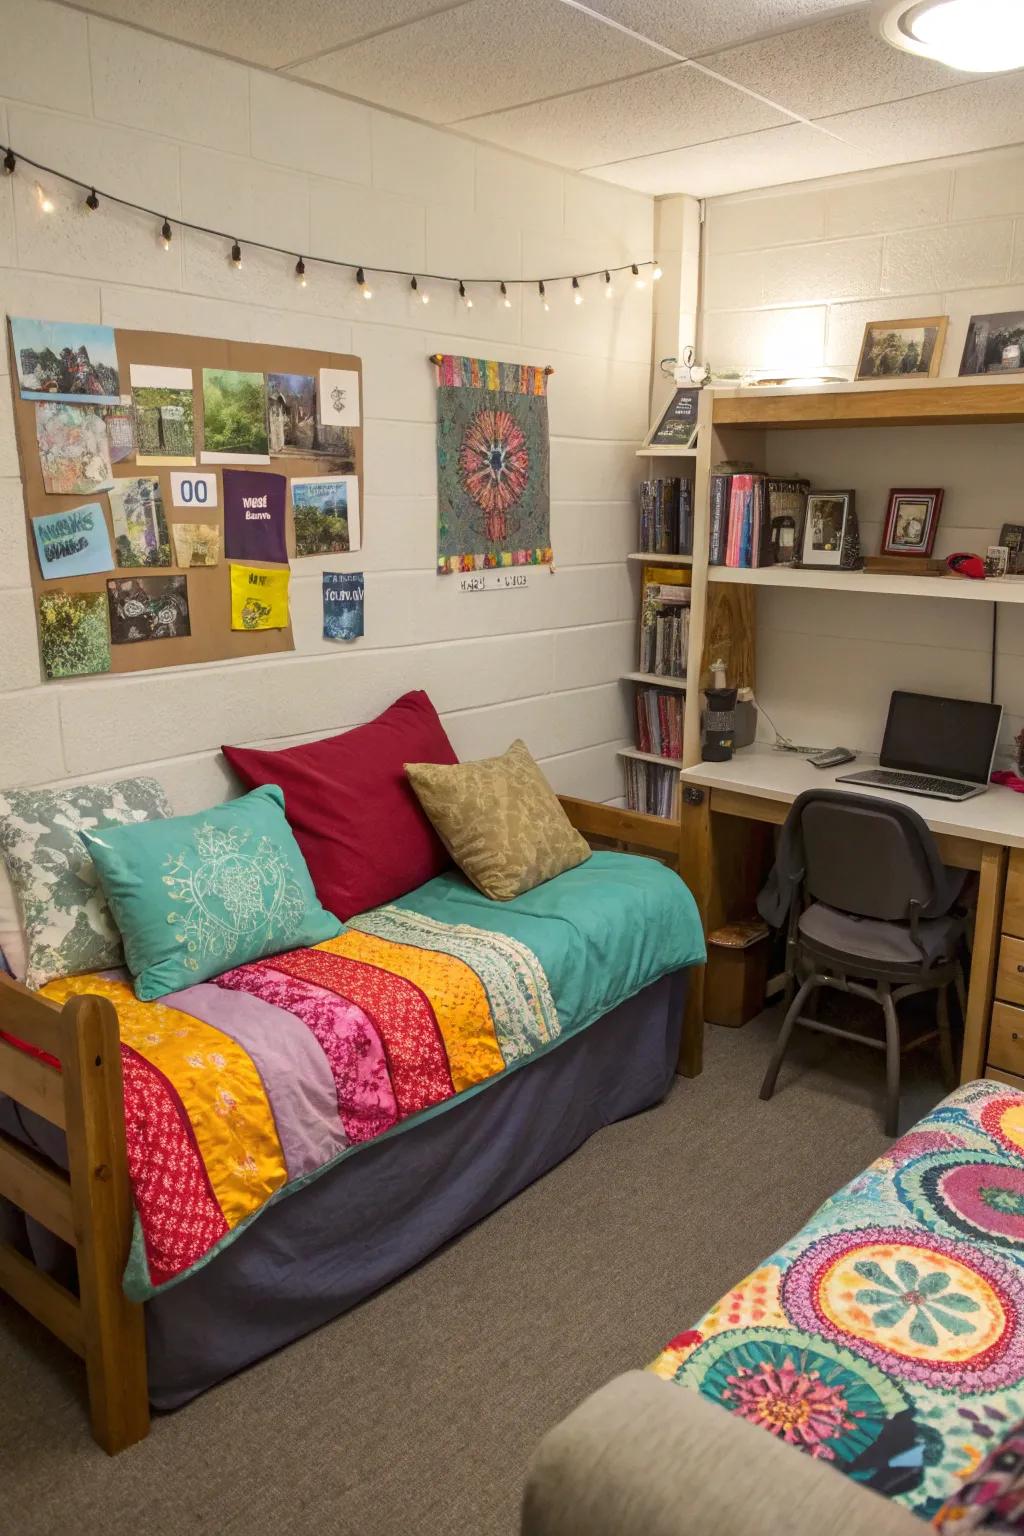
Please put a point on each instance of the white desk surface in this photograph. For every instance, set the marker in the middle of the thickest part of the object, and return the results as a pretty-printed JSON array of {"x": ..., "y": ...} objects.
[{"x": 997, "y": 816}]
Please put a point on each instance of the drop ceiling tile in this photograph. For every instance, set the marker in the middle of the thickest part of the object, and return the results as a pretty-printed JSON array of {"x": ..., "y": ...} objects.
[
  {"x": 853, "y": 68},
  {"x": 673, "y": 107},
  {"x": 767, "y": 159},
  {"x": 469, "y": 60},
  {"x": 275, "y": 34},
  {"x": 697, "y": 26},
  {"x": 983, "y": 114}
]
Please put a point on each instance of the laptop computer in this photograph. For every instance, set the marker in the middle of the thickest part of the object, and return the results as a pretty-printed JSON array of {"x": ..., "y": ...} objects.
[{"x": 938, "y": 747}]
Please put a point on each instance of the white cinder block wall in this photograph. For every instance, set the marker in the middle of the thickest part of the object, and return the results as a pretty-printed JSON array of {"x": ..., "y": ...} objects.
[
  {"x": 197, "y": 136},
  {"x": 790, "y": 278}
]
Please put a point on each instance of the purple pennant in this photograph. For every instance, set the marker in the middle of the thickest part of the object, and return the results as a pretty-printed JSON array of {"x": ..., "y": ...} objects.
[{"x": 254, "y": 516}]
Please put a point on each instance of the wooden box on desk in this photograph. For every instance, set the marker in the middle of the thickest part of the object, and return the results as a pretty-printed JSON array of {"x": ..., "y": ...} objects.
[{"x": 737, "y": 973}]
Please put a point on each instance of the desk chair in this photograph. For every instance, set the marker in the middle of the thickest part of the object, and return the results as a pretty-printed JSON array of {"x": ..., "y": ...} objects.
[{"x": 871, "y": 911}]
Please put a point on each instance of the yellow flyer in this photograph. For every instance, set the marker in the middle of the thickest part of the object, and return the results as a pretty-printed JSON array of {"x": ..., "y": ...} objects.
[{"x": 259, "y": 599}]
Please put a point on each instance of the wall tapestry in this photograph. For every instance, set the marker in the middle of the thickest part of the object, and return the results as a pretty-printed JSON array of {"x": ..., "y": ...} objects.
[{"x": 493, "y": 474}]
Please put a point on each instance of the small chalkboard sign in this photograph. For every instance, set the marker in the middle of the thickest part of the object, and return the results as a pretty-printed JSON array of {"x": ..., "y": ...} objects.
[{"x": 679, "y": 422}]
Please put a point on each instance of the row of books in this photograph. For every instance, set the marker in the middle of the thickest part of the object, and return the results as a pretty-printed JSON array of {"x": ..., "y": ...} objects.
[
  {"x": 651, "y": 788},
  {"x": 659, "y": 722},
  {"x": 664, "y": 629},
  {"x": 755, "y": 520},
  {"x": 666, "y": 517}
]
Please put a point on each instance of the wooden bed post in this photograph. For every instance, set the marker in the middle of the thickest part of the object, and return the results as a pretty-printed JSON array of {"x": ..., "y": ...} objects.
[{"x": 113, "y": 1327}]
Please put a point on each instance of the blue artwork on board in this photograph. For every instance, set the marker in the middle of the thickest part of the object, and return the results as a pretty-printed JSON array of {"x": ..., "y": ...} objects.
[
  {"x": 73, "y": 543},
  {"x": 62, "y": 360},
  {"x": 343, "y": 605}
]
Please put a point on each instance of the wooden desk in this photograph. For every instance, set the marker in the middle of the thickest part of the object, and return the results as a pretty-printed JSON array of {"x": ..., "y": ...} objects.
[{"x": 728, "y": 809}]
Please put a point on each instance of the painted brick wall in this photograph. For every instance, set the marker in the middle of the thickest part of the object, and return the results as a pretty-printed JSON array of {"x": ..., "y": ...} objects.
[
  {"x": 198, "y": 136},
  {"x": 790, "y": 278}
]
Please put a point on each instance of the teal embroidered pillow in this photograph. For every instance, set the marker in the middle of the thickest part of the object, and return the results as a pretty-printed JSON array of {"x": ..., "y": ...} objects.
[
  {"x": 197, "y": 895},
  {"x": 67, "y": 924}
]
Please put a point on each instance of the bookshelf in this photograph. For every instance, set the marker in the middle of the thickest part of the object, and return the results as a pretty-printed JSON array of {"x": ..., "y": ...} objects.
[{"x": 1006, "y": 589}]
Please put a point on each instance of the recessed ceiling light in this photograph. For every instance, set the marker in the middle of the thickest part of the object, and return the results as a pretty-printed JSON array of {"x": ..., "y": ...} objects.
[{"x": 976, "y": 36}]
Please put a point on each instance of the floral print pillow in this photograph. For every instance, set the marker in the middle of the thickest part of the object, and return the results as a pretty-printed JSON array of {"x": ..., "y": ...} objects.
[{"x": 68, "y": 926}]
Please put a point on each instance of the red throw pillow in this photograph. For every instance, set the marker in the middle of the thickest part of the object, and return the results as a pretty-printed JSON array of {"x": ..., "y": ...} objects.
[{"x": 354, "y": 814}]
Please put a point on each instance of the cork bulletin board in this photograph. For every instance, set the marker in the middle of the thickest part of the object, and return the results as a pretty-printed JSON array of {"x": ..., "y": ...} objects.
[{"x": 208, "y": 586}]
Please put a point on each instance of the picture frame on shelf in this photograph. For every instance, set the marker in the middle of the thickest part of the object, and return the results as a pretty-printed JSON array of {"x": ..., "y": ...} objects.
[
  {"x": 1012, "y": 536},
  {"x": 676, "y": 427},
  {"x": 911, "y": 521},
  {"x": 994, "y": 344},
  {"x": 830, "y": 539},
  {"x": 902, "y": 349}
]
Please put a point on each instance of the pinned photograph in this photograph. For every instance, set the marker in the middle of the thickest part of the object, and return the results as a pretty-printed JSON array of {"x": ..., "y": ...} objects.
[
  {"x": 148, "y": 608},
  {"x": 196, "y": 543},
  {"x": 162, "y": 398},
  {"x": 339, "y": 397},
  {"x": 234, "y": 417},
  {"x": 140, "y": 524},
  {"x": 343, "y": 605},
  {"x": 911, "y": 520},
  {"x": 74, "y": 454},
  {"x": 74, "y": 543},
  {"x": 326, "y": 514},
  {"x": 995, "y": 344},
  {"x": 120, "y": 426},
  {"x": 259, "y": 599},
  {"x": 902, "y": 349},
  {"x": 60, "y": 360},
  {"x": 74, "y": 638}
]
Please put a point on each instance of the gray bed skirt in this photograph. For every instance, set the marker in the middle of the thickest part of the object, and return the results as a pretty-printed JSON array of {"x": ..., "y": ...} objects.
[{"x": 331, "y": 1245}]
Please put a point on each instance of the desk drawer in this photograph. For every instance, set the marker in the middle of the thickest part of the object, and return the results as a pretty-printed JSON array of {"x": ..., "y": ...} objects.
[
  {"x": 1010, "y": 975},
  {"x": 1013, "y": 909},
  {"x": 1006, "y": 1040}
]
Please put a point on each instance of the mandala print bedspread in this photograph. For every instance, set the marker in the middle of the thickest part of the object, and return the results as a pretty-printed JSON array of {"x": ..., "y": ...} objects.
[
  {"x": 888, "y": 1336},
  {"x": 493, "y": 483}
]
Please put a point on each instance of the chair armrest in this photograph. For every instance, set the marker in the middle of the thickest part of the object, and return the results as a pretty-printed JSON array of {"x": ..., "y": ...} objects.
[{"x": 645, "y": 1457}]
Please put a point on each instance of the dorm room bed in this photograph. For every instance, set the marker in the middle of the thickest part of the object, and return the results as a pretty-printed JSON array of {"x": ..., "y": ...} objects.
[{"x": 164, "y": 1295}]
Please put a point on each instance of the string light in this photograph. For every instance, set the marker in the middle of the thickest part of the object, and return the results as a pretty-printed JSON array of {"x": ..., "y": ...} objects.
[
  {"x": 92, "y": 202},
  {"x": 464, "y": 296},
  {"x": 364, "y": 286},
  {"x": 638, "y": 281},
  {"x": 608, "y": 291},
  {"x": 543, "y": 295},
  {"x": 300, "y": 272},
  {"x": 9, "y": 162},
  {"x": 505, "y": 298},
  {"x": 236, "y": 256},
  {"x": 165, "y": 234},
  {"x": 657, "y": 273},
  {"x": 577, "y": 295},
  {"x": 45, "y": 200}
]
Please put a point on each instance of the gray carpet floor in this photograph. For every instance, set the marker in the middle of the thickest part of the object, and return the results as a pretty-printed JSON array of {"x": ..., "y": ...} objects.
[{"x": 417, "y": 1412}]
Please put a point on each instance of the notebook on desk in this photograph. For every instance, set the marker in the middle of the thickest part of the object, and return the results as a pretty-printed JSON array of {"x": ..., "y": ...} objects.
[{"x": 942, "y": 748}]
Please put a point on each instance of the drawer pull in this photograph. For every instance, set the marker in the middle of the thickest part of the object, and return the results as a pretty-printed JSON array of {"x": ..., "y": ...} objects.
[
  {"x": 1014, "y": 1035},
  {"x": 1020, "y": 970}
]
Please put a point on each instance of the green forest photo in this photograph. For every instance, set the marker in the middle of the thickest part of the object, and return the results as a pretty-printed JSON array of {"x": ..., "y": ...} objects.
[{"x": 234, "y": 412}]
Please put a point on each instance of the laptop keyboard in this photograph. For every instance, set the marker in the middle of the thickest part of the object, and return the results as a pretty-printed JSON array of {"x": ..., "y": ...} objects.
[{"x": 890, "y": 778}]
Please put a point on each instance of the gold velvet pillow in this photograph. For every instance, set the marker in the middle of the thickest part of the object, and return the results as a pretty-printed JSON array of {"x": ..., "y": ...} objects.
[{"x": 500, "y": 820}]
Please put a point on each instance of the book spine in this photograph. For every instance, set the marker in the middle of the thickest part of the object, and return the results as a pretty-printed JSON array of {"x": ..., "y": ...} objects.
[{"x": 720, "y": 490}]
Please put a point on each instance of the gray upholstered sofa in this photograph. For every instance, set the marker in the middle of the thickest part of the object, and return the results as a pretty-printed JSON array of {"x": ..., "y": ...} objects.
[{"x": 644, "y": 1457}]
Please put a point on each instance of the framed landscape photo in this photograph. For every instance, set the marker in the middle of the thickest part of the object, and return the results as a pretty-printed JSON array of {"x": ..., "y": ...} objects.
[
  {"x": 902, "y": 349},
  {"x": 828, "y": 523},
  {"x": 994, "y": 344},
  {"x": 911, "y": 519}
]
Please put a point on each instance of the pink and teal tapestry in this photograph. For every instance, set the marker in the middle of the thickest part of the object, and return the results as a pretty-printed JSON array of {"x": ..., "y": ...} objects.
[{"x": 493, "y": 473}]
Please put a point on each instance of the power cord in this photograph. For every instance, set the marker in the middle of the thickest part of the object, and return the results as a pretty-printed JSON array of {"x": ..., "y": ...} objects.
[{"x": 783, "y": 743}]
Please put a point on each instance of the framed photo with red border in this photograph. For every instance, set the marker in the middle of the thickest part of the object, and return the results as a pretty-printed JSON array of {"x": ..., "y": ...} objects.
[{"x": 911, "y": 520}]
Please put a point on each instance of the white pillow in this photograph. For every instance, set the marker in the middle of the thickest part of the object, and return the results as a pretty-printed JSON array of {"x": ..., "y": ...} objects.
[{"x": 12, "y": 933}]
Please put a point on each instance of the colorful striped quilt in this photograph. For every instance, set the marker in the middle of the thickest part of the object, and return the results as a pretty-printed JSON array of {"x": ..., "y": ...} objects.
[{"x": 241, "y": 1090}]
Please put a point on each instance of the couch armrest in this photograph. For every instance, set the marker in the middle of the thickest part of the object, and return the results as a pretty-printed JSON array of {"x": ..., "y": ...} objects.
[{"x": 644, "y": 1457}]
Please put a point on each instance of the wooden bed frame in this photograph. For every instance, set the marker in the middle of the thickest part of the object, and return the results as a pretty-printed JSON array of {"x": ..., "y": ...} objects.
[{"x": 90, "y": 1206}]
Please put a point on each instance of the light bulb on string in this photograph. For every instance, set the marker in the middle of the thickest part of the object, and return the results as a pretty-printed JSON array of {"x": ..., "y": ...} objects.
[
  {"x": 300, "y": 272},
  {"x": 165, "y": 234},
  {"x": 608, "y": 291},
  {"x": 657, "y": 273},
  {"x": 364, "y": 286},
  {"x": 236, "y": 256},
  {"x": 92, "y": 202},
  {"x": 505, "y": 298},
  {"x": 423, "y": 297},
  {"x": 577, "y": 295},
  {"x": 46, "y": 203},
  {"x": 638, "y": 281},
  {"x": 10, "y": 162},
  {"x": 543, "y": 295},
  {"x": 464, "y": 296}
]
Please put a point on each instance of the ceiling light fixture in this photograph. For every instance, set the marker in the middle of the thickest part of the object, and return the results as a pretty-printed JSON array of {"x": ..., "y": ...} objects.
[{"x": 976, "y": 36}]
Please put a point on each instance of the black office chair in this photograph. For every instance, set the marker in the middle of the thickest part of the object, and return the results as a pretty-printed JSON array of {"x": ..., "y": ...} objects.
[{"x": 872, "y": 911}]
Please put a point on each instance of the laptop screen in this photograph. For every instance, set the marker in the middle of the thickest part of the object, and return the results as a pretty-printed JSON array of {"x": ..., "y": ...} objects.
[{"x": 950, "y": 738}]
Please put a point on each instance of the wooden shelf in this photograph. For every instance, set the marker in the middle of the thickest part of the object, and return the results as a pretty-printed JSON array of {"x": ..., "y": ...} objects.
[
  {"x": 929, "y": 402},
  {"x": 665, "y": 451},
  {"x": 651, "y": 559},
  {"x": 650, "y": 757},
  {"x": 1007, "y": 589},
  {"x": 654, "y": 680}
]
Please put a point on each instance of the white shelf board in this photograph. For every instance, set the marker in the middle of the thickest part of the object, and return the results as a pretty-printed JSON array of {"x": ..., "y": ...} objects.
[
  {"x": 651, "y": 559},
  {"x": 1005, "y": 589},
  {"x": 655, "y": 681},
  {"x": 650, "y": 757},
  {"x": 666, "y": 451}
]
